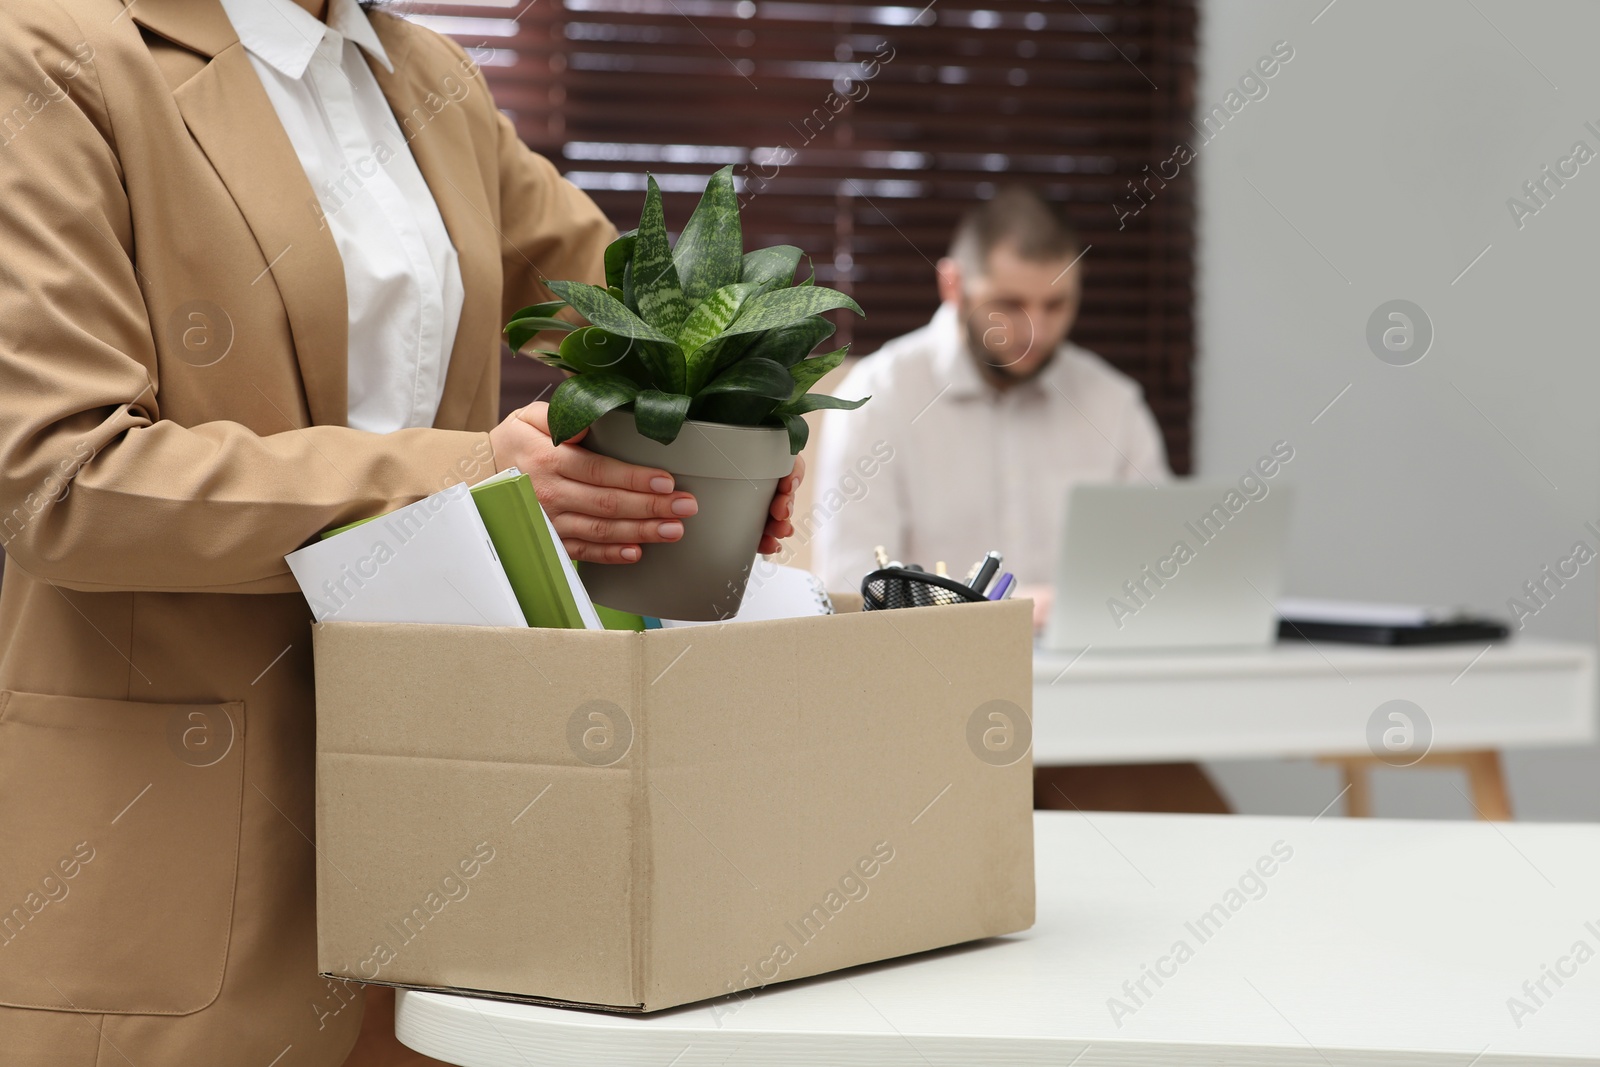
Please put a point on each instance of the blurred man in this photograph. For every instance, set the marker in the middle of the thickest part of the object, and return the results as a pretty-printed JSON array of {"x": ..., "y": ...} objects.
[{"x": 989, "y": 414}]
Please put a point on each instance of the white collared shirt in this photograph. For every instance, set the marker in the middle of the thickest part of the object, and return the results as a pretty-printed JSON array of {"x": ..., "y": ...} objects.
[
  {"x": 940, "y": 465},
  {"x": 402, "y": 275}
]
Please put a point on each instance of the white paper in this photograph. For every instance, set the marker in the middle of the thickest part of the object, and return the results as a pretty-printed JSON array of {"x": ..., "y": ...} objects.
[
  {"x": 591, "y": 618},
  {"x": 774, "y": 592},
  {"x": 431, "y": 561}
]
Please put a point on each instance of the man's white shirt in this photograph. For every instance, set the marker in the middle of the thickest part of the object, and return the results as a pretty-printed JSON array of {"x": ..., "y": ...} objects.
[{"x": 940, "y": 465}]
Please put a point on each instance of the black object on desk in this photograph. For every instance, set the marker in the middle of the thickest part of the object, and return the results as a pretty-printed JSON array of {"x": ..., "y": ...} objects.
[{"x": 1446, "y": 631}]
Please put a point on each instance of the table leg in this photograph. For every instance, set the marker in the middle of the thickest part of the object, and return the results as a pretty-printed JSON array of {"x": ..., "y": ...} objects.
[
  {"x": 1485, "y": 779},
  {"x": 1358, "y": 789}
]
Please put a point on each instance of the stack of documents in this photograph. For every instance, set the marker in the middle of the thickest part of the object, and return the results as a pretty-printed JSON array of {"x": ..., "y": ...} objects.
[{"x": 484, "y": 556}]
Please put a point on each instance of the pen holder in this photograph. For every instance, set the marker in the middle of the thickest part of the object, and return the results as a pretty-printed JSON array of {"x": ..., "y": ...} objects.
[{"x": 896, "y": 587}]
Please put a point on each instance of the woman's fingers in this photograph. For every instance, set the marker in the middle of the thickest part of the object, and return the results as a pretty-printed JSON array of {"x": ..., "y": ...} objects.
[
  {"x": 564, "y": 496},
  {"x": 578, "y": 480},
  {"x": 589, "y": 552},
  {"x": 570, "y": 461},
  {"x": 591, "y": 467},
  {"x": 783, "y": 500},
  {"x": 791, "y": 481},
  {"x": 577, "y": 526}
]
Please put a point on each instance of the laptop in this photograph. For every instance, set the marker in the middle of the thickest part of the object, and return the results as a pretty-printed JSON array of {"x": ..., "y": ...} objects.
[{"x": 1191, "y": 565}]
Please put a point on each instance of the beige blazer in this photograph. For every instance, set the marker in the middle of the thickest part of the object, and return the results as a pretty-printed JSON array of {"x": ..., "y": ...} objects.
[{"x": 172, "y": 404}]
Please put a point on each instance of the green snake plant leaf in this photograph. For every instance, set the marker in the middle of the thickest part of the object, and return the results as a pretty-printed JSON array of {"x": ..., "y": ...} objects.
[
  {"x": 545, "y": 310},
  {"x": 655, "y": 280},
  {"x": 798, "y": 432},
  {"x": 735, "y": 409},
  {"x": 708, "y": 321},
  {"x": 790, "y": 344},
  {"x": 618, "y": 253},
  {"x": 710, "y": 251},
  {"x": 756, "y": 377},
  {"x": 593, "y": 349},
  {"x": 784, "y": 307},
  {"x": 604, "y": 310},
  {"x": 580, "y": 400},
  {"x": 520, "y": 331},
  {"x": 630, "y": 295},
  {"x": 790, "y": 413},
  {"x": 662, "y": 357},
  {"x": 665, "y": 367},
  {"x": 809, "y": 372},
  {"x": 553, "y": 359},
  {"x": 726, "y": 351},
  {"x": 659, "y": 416},
  {"x": 772, "y": 268},
  {"x": 817, "y": 402}
]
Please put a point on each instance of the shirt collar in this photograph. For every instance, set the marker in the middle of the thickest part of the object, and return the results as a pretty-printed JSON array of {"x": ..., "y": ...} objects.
[
  {"x": 951, "y": 362},
  {"x": 285, "y": 35}
]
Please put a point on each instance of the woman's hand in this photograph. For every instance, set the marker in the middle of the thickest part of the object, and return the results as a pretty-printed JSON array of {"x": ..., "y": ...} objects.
[
  {"x": 779, "y": 525},
  {"x": 605, "y": 509}
]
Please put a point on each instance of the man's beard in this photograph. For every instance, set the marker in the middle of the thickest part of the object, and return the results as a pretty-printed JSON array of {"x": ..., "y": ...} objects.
[{"x": 978, "y": 322}]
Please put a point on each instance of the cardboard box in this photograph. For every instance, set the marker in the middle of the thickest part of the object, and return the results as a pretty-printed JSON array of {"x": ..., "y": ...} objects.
[{"x": 632, "y": 821}]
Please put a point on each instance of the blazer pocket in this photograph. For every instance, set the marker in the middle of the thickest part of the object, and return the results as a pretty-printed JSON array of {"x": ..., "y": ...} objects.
[{"x": 119, "y": 850}]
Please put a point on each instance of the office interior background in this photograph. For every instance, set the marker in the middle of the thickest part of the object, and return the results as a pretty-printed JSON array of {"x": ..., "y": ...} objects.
[{"x": 1378, "y": 163}]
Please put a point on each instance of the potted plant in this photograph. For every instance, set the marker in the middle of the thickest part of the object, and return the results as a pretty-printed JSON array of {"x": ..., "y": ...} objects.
[{"x": 697, "y": 359}]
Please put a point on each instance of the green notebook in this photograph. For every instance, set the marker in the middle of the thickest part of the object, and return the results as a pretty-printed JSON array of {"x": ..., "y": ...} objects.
[{"x": 527, "y": 552}]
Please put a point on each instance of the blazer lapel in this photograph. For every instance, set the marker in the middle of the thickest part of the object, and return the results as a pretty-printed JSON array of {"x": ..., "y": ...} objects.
[
  {"x": 441, "y": 143},
  {"x": 234, "y": 122}
]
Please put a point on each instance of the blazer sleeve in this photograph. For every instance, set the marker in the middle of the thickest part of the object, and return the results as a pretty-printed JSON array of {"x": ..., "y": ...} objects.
[{"x": 97, "y": 490}]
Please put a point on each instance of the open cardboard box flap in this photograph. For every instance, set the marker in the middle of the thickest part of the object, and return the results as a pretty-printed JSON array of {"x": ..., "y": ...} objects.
[{"x": 632, "y": 821}]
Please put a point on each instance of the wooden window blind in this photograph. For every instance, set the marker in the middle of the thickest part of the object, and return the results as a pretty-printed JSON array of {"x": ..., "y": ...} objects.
[{"x": 860, "y": 131}]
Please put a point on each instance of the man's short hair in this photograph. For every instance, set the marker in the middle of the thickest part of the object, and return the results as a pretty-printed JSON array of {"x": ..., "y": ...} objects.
[{"x": 1016, "y": 216}]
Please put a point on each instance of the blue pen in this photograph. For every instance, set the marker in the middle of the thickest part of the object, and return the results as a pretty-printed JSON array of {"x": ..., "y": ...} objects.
[{"x": 1002, "y": 588}]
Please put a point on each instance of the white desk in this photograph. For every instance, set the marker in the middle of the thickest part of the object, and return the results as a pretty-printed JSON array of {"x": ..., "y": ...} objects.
[
  {"x": 1391, "y": 943},
  {"x": 1295, "y": 699}
]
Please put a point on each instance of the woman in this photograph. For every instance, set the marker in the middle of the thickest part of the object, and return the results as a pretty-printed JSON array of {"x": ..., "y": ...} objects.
[{"x": 254, "y": 255}]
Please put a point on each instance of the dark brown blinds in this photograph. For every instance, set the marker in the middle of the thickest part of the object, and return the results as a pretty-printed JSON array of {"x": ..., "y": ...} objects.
[{"x": 860, "y": 131}]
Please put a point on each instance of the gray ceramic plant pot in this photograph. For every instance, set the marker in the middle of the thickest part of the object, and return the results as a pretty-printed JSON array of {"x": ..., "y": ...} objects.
[{"x": 732, "y": 472}]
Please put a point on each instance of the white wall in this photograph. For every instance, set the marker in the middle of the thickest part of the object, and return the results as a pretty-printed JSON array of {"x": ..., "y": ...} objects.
[{"x": 1381, "y": 161}]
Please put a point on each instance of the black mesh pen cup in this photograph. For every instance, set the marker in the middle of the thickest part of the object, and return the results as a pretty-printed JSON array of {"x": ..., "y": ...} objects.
[{"x": 897, "y": 587}]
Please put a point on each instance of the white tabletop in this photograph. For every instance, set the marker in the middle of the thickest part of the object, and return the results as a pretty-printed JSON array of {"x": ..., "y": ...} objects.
[
  {"x": 1299, "y": 699},
  {"x": 1376, "y": 942}
]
